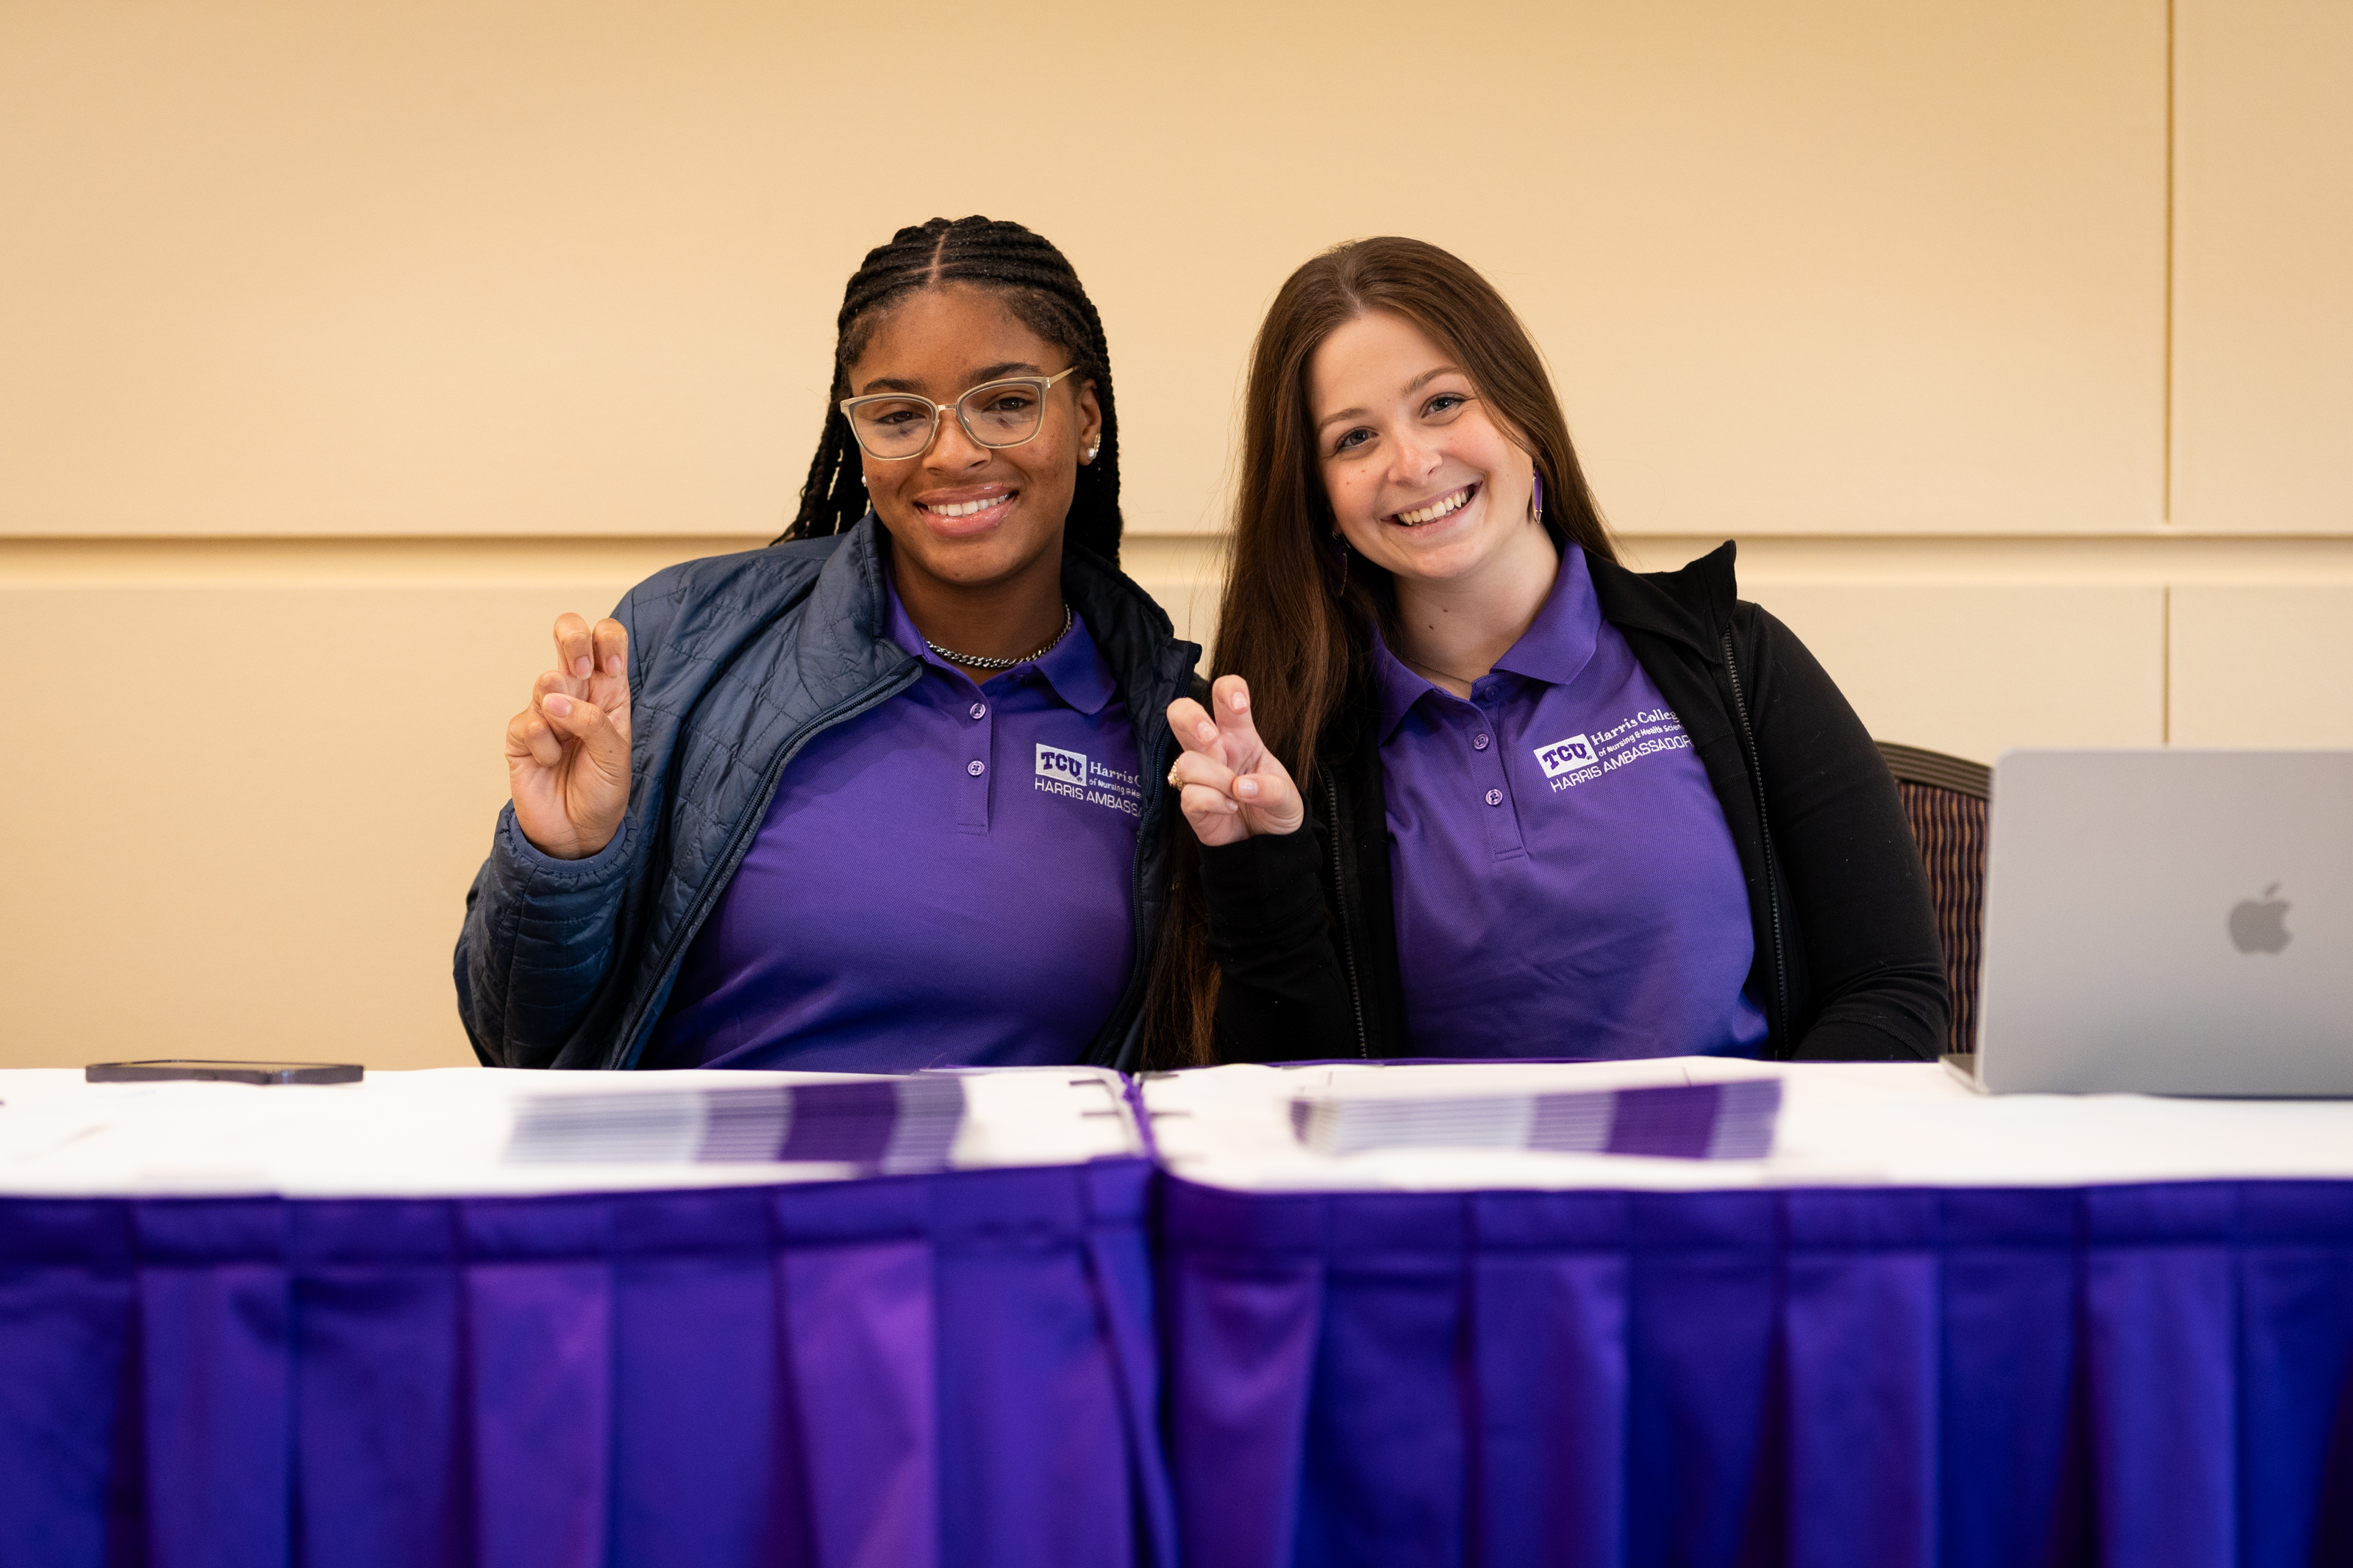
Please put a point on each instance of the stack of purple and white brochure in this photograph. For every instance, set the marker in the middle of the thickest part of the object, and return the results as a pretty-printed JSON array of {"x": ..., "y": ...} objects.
[
  {"x": 1730, "y": 1120},
  {"x": 1671, "y": 1122},
  {"x": 892, "y": 1125}
]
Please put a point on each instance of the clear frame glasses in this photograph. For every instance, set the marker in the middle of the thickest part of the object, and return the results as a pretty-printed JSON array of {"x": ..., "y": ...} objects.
[{"x": 890, "y": 425}]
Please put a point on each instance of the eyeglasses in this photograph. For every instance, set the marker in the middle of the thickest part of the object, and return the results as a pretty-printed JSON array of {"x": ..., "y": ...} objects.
[{"x": 894, "y": 425}]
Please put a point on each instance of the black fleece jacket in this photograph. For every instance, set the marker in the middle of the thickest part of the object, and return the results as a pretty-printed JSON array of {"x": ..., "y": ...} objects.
[{"x": 1303, "y": 928}]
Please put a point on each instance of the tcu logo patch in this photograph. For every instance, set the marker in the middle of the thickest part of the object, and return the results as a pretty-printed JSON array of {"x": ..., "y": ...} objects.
[
  {"x": 1558, "y": 758},
  {"x": 1069, "y": 766}
]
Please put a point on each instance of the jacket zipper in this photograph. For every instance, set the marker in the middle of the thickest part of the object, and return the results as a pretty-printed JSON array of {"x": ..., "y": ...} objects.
[
  {"x": 1765, "y": 833},
  {"x": 1140, "y": 959},
  {"x": 873, "y": 697},
  {"x": 1340, "y": 907}
]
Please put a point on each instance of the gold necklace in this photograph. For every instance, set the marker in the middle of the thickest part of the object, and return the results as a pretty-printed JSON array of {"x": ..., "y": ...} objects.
[{"x": 1429, "y": 671}]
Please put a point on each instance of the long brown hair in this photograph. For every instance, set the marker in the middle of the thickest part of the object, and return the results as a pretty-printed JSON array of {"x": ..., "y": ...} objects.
[
  {"x": 1296, "y": 615},
  {"x": 1284, "y": 624}
]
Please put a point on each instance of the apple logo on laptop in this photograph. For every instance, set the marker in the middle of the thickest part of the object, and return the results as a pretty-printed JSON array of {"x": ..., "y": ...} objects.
[{"x": 2260, "y": 927}]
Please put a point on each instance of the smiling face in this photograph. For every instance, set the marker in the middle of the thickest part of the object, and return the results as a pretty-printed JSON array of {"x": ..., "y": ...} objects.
[
  {"x": 966, "y": 515},
  {"x": 1421, "y": 478}
]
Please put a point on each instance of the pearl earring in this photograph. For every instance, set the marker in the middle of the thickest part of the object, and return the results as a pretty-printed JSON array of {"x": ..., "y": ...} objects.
[{"x": 1090, "y": 453}]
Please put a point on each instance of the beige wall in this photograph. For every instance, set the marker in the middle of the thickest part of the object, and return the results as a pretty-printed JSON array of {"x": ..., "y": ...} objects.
[{"x": 340, "y": 347}]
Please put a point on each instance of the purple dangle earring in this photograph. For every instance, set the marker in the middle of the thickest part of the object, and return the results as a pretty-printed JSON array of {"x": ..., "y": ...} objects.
[
  {"x": 1340, "y": 553},
  {"x": 1539, "y": 498}
]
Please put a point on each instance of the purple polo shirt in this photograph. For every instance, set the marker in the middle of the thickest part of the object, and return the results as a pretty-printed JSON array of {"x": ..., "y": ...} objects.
[
  {"x": 943, "y": 880},
  {"x": 1565, "y": 885}
]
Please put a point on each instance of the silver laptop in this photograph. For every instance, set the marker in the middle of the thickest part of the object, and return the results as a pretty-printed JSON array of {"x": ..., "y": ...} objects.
[{"x": 2169, "y": 922}]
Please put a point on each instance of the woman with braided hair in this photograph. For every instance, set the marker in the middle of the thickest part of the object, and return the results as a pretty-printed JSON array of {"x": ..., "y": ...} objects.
[{"x": 888, "y": 794}]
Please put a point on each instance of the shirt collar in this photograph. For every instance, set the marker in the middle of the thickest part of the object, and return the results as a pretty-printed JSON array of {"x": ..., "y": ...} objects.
[
  {"x": 1560, "y": 641},
  {"x": 1072, "y": 667},
  {"x": 1396, "y": 688},
  {"x": 1553, "y": 651}
]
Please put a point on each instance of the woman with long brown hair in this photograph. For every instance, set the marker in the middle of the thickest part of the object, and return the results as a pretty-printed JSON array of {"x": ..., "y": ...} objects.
[{"x": 1469, "y": 787}]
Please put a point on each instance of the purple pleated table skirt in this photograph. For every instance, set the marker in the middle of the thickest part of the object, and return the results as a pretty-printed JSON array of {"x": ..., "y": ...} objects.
[
  {"x": 2139, "y": 1375},
  {"x": 951, "y": 1369}
]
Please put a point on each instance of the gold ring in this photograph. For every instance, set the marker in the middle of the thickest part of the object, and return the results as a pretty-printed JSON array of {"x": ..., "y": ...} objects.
[{"x": 1174, "y": 781}]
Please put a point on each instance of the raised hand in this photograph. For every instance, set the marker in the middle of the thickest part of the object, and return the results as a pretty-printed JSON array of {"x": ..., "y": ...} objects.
[
  {"x": 568, "y": 751},
  {"x": 1233, "y": 787}
]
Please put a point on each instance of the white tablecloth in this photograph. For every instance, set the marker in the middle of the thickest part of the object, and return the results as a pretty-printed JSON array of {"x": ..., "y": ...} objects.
[
  {"x": 446, "y": 1132},
  {"x": 1882, "y": 1123}
]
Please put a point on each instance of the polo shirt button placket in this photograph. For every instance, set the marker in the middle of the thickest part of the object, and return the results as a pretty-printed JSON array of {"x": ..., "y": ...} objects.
[
  {"x": 1487, "y": 765},
  {"x": 972, "y": 799}
]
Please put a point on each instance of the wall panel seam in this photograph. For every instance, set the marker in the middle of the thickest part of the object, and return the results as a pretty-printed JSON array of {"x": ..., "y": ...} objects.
[{"x": 2164, "y": 502}]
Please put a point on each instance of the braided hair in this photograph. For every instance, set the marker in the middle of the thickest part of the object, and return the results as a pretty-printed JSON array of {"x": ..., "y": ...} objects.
[{"x": 1039, "y": 286}]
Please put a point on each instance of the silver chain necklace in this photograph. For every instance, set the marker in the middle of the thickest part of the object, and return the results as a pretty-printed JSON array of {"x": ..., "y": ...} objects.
[{"x": 975, "y": 662}]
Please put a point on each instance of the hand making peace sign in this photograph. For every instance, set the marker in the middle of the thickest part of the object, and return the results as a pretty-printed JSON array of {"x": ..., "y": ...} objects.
[
  {"x": 1233, "y": 787},
  {"x": 568, "y": 751}
]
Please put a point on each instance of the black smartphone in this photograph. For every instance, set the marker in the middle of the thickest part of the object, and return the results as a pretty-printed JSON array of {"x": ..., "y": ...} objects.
[{"x": 223, "y": 1072}]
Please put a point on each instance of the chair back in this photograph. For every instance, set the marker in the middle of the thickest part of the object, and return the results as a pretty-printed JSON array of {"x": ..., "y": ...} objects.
[{"x": 1945, "y": 800}]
